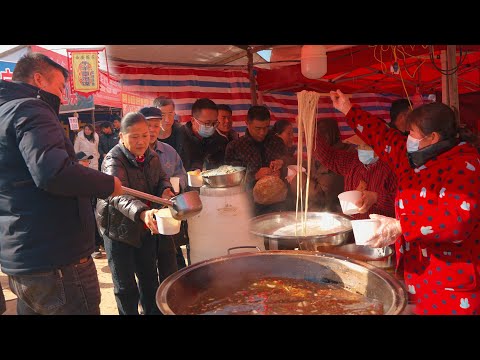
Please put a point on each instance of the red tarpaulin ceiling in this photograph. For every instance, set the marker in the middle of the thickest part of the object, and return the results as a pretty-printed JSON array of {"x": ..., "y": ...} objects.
[{"x": 366, "y": 68}]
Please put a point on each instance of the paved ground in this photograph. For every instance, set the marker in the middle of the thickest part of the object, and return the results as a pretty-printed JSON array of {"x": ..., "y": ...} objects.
[{"x": 108, "y": 305}]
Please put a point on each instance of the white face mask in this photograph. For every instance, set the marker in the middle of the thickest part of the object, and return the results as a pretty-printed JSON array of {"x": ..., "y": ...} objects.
[
  {"x": 367, "y": 157},
  {"x": 413, "y": 144}
]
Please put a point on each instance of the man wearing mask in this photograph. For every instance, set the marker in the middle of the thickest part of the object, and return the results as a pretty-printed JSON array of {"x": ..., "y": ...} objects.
[
  {"x": 46, "y": 219},
  {"x": 362, "y": 171},
  {"x": 199, "y": 146}
]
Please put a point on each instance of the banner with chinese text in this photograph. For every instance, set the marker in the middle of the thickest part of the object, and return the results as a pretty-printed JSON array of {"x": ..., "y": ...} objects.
[{"x": 84, "y": 70}]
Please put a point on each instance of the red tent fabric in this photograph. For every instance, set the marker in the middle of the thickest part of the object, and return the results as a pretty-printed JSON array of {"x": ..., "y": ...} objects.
[{"x": 366, "y": 68}]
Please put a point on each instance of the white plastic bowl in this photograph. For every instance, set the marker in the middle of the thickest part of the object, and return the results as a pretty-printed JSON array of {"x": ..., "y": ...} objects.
[
  {"x": 195, "y": 180},
  {"x": 348, "y": 200},
  {"x": 166, "y": 224},
  {"x": 292, "y": 170},
  {"x": 363, "y": 230}
]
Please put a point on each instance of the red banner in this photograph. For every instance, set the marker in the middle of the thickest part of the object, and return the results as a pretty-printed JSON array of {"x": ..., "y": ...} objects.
[
  {"x": 133, "y": 102},
  {"x": 110, "y": 93}
]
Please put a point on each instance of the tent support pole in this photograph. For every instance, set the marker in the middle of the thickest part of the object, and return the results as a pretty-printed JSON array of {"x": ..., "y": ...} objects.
[
  {"x": 253, "y": 83},
  {"x": 450, "y": 82}
]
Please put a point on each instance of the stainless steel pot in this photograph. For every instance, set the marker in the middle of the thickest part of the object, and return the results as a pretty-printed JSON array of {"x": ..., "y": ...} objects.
[
  {"x": 223, "y": 275},
  {"x": 226, "y": 180},
  {"x": 182, "y": 206},
  {"x": 267, "y": 225}
]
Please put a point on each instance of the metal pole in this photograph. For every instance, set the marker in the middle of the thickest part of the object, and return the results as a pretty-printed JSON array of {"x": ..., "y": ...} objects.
[{"x": 253, "y": 83}]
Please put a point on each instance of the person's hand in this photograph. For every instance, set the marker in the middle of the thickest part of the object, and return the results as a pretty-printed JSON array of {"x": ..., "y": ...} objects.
[
  {"x": 167, "y": 194},
  {"x": 387, "y": 233},
  {"x": 148, "y": 217},
  {"x": 366, "y": 201},
  {"x": 340, "y": 101},
  {"x": 117, "y": 189},
  {"x": 276, "y": 165},
  {"x": 262, "y": 172}
]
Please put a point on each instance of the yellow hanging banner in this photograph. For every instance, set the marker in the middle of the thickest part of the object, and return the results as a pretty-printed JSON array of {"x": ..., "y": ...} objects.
[{"x": 84, "y": 71}]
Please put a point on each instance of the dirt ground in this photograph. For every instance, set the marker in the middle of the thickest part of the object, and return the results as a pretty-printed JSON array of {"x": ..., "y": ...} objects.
[{"x": 108, "y": 305}]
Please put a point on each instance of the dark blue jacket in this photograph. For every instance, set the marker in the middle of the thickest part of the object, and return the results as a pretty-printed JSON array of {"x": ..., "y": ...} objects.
[{"x": 46, "y": 218}]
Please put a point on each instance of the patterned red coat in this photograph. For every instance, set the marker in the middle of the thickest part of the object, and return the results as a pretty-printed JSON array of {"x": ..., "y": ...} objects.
[{"x": 439, "y": 210}]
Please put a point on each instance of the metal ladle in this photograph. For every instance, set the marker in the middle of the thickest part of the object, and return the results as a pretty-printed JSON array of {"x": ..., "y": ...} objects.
[{"x": 182, "y": 206}]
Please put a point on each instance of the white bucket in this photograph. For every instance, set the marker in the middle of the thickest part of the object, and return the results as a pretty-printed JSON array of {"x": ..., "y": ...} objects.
[
  {"x": 166, "y": 224},
  {"x": 363, "y": 230},
  {"x": 348, "y": 200}
]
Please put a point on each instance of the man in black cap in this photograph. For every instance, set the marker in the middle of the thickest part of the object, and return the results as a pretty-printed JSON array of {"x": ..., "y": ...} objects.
[{"x": 84, "y": 159}]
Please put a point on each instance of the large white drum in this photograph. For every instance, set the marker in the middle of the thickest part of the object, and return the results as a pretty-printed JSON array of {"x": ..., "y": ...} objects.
[{"x": 223, "y": 223}]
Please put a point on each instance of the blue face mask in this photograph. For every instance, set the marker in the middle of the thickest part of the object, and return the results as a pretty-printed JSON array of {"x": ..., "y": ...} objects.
[
  {"x": 367, "y": 157},
  {"x": 205, "y": 131}
]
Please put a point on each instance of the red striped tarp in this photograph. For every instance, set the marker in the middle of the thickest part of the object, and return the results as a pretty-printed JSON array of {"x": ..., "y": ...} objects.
[{"x": 231, "y": 87}]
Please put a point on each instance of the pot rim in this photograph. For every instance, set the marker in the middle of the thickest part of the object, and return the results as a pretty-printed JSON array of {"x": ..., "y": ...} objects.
[
  {"x": 294, "y": 237},
  {"x": 398, "y": 306}
]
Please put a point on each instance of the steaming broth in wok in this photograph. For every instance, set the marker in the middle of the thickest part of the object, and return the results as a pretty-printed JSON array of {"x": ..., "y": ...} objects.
[
  {"x": 285, "y": 296},
  {"x": 312, "y": 228}
]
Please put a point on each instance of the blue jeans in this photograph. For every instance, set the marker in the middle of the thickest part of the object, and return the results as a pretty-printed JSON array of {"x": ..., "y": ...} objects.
[
  {"x": 69, "y": 290},
  {"x": 126, "y": 261}
]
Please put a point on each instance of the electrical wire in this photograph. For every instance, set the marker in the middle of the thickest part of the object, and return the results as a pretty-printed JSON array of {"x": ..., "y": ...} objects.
[{"x": 447, "y": 71}]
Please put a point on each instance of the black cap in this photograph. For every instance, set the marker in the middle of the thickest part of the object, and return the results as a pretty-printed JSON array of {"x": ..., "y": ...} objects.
[
  {"x": 151, "y": 112},
  {"x": 82, "y": 156}
]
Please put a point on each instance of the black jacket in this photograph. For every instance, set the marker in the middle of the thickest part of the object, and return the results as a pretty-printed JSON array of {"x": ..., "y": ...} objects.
[
  {"x": 194, "y": 152},
  {"x": 46, "y": 219},
  {"x": 119, "y": 217},
  {"x": 106, "y": 143}
]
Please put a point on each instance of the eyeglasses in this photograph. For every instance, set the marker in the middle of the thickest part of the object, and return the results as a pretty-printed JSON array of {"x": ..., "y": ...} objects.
[{"x": 209, "y": 124}]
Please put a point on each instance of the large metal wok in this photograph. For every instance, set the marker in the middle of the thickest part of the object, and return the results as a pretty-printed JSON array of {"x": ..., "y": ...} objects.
[
  {"x": 268, "y": 225},
  {"x": 223, "y": 275}
]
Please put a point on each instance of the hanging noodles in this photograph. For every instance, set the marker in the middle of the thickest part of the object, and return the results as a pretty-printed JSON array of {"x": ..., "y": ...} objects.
[{"x": 306, "y": 120}]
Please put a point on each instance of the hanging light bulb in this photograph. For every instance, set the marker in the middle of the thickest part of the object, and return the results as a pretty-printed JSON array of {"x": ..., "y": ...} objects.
[
  {"x": 417, "y": 99},
  {"x": 314, "y": 61}
]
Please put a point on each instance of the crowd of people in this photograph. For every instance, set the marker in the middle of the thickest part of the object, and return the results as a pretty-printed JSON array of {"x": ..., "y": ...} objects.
[{"x": 62, "y": 204}]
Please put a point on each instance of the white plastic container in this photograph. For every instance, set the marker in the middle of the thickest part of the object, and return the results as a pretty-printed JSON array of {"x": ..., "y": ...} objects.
[
  {"x": 166, "y": 224},
  {"x": 195, "y": 180},
  {"x": 223, "y": 223},
  {"x": 348, "y": 200},
  {"x": 175, "y": 181},
  {"x": 363, "y": 230}
]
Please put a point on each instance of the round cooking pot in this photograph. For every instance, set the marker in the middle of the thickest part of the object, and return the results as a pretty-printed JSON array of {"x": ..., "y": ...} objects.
[
  {"x": 268, "y": 225},
  {"x": 224, "y": 275}
]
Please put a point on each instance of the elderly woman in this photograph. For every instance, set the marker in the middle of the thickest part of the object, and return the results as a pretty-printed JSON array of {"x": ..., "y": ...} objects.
[
  {"x": 436, "y": 205},
  {"x": 126, "y": 223}
]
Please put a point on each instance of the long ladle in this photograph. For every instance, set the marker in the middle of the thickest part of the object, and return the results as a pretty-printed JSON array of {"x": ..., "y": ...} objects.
[{"x": 182, "y": 206}]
